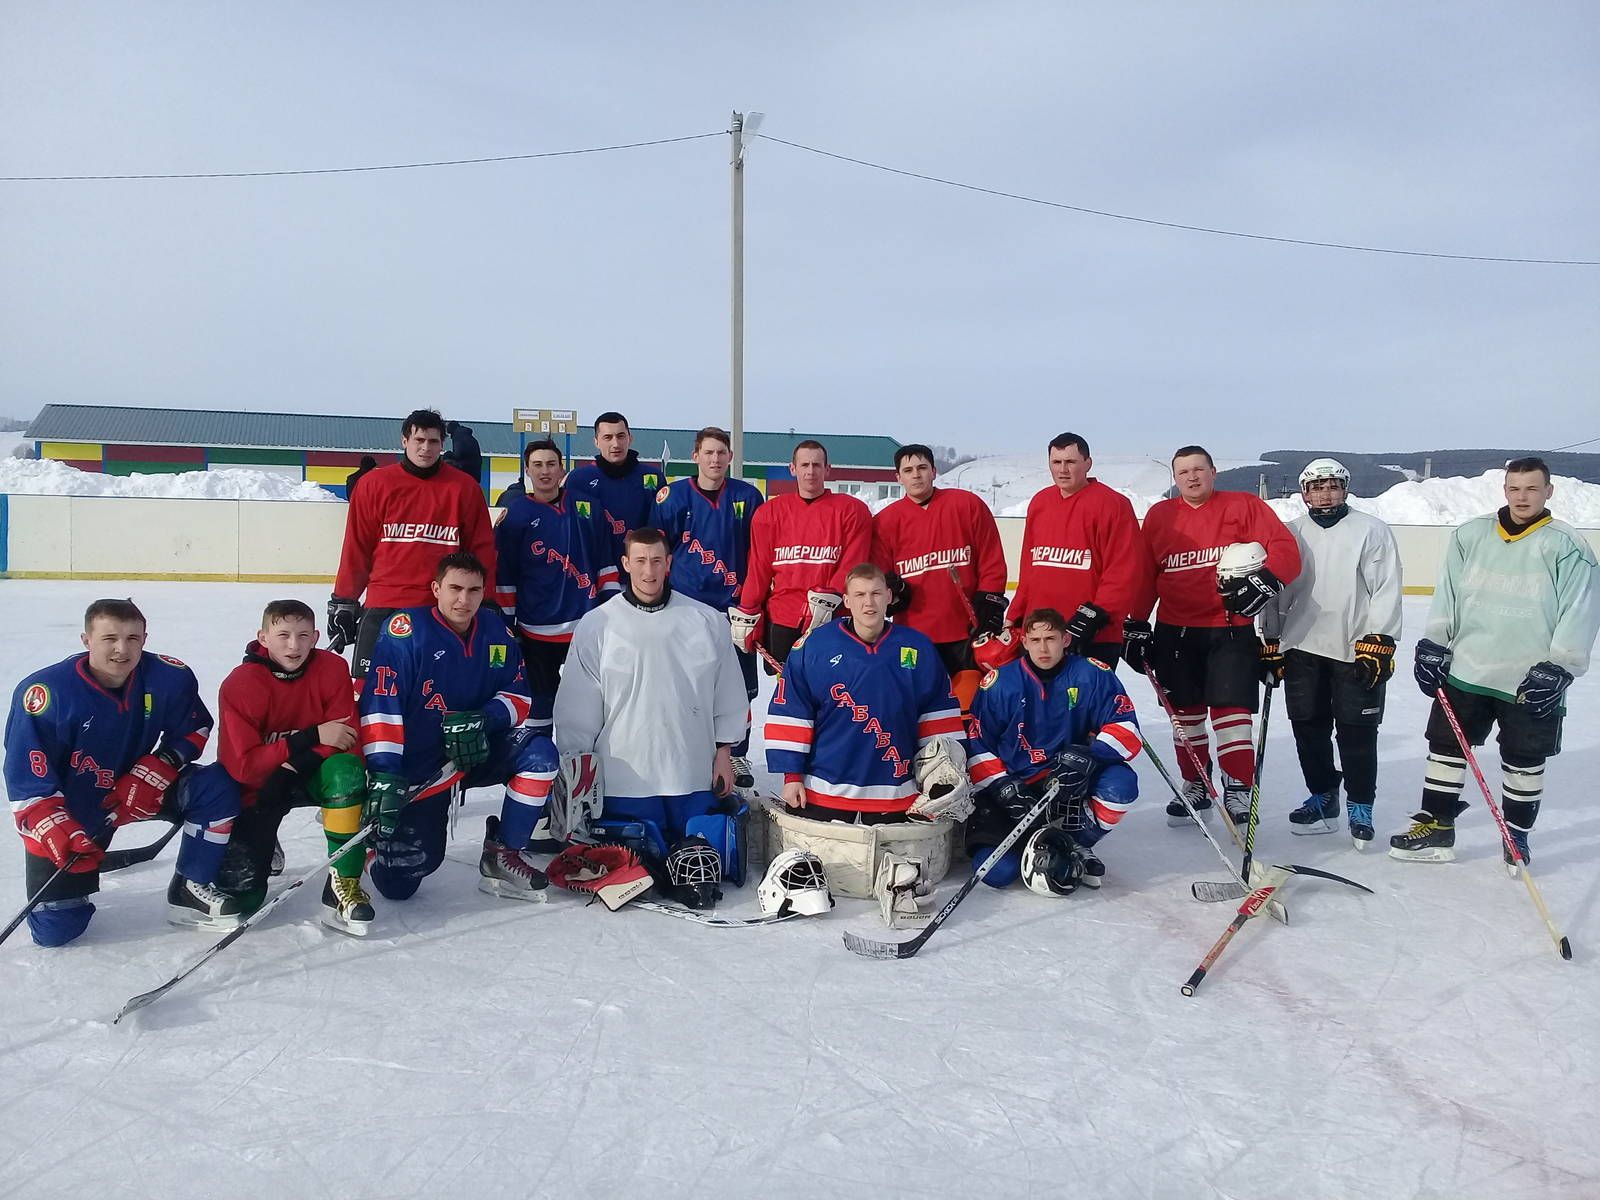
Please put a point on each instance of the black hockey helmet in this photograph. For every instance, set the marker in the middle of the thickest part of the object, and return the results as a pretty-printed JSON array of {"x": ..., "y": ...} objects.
[
  {"x": 694, "y": 873},
  {"x": 1051, "y": 864}
]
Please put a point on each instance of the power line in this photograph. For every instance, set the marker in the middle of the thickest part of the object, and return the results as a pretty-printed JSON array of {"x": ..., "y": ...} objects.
[
  {"x": 1572, "y": 445},
  {"x": 406, "y": 166},
  {"x": 1234, "y": 233}
]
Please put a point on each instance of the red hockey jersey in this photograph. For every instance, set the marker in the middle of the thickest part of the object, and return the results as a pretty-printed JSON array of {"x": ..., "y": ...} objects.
[
  {"x": 798, "y": 545},
  {"x": 1186, "y": 543},
  {"x": 268, "y": 719},
  {"x": 922, "y": 542},
  {"x": 398, "y": 528},
  {"x": 1084, "y": 548}
]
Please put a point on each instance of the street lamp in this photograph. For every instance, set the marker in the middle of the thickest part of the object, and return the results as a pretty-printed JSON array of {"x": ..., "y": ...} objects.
[{"x": 743, "y": 132}]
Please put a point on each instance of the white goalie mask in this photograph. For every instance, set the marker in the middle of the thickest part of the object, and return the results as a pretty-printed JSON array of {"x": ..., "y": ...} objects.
[{"x": 795, "y": 883}]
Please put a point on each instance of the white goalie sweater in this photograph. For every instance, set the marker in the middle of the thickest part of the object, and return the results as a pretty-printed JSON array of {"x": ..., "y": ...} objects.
[
  {"x": 651, "y": 691},
  {"x": 1349, "y": 586}
]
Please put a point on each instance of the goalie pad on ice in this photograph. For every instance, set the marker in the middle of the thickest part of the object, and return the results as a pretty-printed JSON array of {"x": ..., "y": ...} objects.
[
  {"x": 578, "y": 798},
  {"x": 940, "y": 767},
  {"x": 898, "y": 887}
]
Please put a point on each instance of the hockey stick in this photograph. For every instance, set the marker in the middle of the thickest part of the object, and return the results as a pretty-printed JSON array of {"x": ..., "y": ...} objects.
[
  {"x": 1255, "y": 788},
  {"x": 1563, "y": 947},
  {"x": 33, "y": 900},
  {"x": 966, "y": 602},
  {"x": 1194, "y": 759},
  {"x": 1251, "y": 906},
  {"x": 1198, "y": 890},
  {"x": 871, "y": 948},
  {"x": 702, "y": 918},
  {"x": 767, "y": 657},
  {"x": 116, "y": 860}
]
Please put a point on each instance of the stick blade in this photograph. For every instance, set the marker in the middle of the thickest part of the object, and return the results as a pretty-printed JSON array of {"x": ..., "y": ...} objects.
[
  {"x": 1209, "y": 891},
  {"x": 142, "y": 999},
  {"x": 871, "y": 948}
]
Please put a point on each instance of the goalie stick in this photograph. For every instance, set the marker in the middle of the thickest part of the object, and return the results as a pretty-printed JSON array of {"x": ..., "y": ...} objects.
[
  {"x": 1563, "y": 946},
  {"x": 872, "y": 948},
  {"x": 1252, "y": 905},
  {"x": 700, "y": 918}
]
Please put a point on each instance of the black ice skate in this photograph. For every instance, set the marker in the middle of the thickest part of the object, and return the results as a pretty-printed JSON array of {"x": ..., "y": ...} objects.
[
  {"x": 346, "y": 906},
  {"x": 201, "y": 906},
  {"x": 1317, "y": 814},
  {"x": 1428, "y": 840}
]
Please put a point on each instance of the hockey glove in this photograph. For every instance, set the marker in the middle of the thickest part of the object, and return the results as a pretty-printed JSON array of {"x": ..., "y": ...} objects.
[
  {"x": 1544, "y": 688},
  {"x": 466, "y": 741},
  {"x": 48, "y": 831},
  {"x": 989, "y": 609},
  {"x": 1083, "y": 624},
  {"x": 1374, "y": 659},
  {"x": 823, "y": 607},
  {"x": 1246, "y": 595},
  {"x": 1072, "y": 770},
  {"x": 742, "y": 624},
  {"x": 138, "y": 794},
  {"x": 386, "y": 796},
  {"x": 1271, "y": 665},
  {"x": 1430, "y": 666},
  {"x": 899, "y": 595},
  {"x": 1007, "y": 800},
  {"x": 1136, "y": 637},
  {"x": 344, "y": 622}
]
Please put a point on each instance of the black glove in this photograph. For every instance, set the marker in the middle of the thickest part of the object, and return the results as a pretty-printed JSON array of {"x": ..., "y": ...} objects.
[
  {"x": 1543, "y": 688},
  {"x": 899, "y": 595},
  {"x": 1072, "y": 769},
  {"x": 1136, "y": 636},
  {"x": 1431, "y": 665},
  {"x": 1246, "y": 595},
  {"x": 1374, "y": 659},
  {"x": 344, "y": 622},
  {"x": 990, "y": 610},
  {"x": 1271, "y": 667},
  {"x": 1008, "y": 800},
  {"x": 466, "y": 742},
  {"x": 1083, "y": 624}
]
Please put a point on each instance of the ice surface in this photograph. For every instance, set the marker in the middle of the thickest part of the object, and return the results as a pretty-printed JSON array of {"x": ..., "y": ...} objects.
[{"x": 1425, "y": 1041}]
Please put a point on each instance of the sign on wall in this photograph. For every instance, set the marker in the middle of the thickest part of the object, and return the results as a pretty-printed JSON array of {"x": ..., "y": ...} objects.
[{"x": 545, "y": 421}]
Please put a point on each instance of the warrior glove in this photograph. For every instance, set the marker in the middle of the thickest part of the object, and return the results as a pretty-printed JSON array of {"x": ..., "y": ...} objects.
[{"x": 1374, "y": 659}]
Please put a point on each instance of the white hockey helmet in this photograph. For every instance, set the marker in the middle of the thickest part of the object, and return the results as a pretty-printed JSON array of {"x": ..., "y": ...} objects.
[
  {"x": 1325, "y": 468},
  {"x": 795, "y": 883},
  {"x": 1241, "y": 559}
]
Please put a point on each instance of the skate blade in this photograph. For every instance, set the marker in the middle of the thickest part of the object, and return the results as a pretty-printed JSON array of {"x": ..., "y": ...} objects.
[
  {"x": 1360, "y": 844},
  {"x": 1316, "y": 827},
  {"x": 351, "y": 928},
  {"x": 1092, "y": 882},
  {"x": 187, "y": 918},
  {"x": 1439, "y": 854},
  {"x": 497, "y": 887},
  {"x": 1186, "y": 819}
]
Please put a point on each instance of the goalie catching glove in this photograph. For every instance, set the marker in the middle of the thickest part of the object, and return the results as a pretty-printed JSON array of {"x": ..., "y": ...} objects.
[
  {"x": 612, "y": 874},
  {"x": 940, "y": 768},
  {"x": 466, "y": 740}
]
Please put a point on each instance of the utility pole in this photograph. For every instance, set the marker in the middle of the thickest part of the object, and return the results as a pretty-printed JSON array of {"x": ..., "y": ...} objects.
[{"x": 743, "y": 130}]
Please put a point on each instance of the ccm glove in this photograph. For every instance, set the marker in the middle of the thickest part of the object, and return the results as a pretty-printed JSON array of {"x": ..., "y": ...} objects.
[
  {"x": 48, "y": 831},
  {"x": 1072, "y": 770},
  {"x": 1271, "y": 667},
  {"x": 989, "y": 608},
  {"x": 1431, "y": 665},
  {"x": 1246, "y": 595},
  {"x": 899, "y": 595},
  {"x": 1136, "y": 637},
  {"x": 386, "y": 796},
  {"x": 138, "y": 794},
  {"x": 466, "y": 741},
  {"x": 1083, "y": 624},
  {"x": 344, "y": 621},
  {"x": 1374, "y": 659},
  {"x": 1543, "y": 688}
]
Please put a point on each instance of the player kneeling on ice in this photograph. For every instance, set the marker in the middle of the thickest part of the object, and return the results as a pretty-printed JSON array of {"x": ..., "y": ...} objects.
[
  {"x": 1050, "y": 718},
  {"x": 652, "y": 689},
  {"x": 287, "y": 735},
  {"x": 445, "y": 702},
  {"x": 103, "y": 739}
]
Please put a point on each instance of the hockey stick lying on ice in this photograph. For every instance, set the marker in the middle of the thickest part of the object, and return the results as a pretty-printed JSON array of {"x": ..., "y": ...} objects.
[
  {"x": 871, "y": 948},
  {"x": 1563, "y": 947},
  {"x": 1253, "y": 903}
]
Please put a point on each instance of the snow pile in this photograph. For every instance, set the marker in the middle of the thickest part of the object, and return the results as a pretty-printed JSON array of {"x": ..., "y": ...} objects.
[
  {"x": 1452, "y": 500},
  {"x": 45, "y": 477}
]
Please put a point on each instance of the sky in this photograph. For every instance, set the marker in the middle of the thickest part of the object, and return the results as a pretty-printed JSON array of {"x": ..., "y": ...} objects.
[{"x": 875, "y": 303}]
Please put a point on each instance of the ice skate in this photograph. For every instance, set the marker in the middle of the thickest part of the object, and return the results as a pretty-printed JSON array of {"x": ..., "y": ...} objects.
[
  {"x": 1236, "y": 800},
  {"x": 201, "y": 906},
  {"x": 1318, "y": 814},
  {"x": 507, "y": 872},
  {"x": 1428, "y": 840},
  {"x": 1513, "y": 868},
  {"x": 346, "y": 906},
  {"x": 1195, "y": 791},
  {"x": 1361, "y": 833}
]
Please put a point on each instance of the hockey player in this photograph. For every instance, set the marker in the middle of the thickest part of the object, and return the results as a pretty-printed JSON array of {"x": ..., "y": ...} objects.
[
  {"x": 707, "y": 520},
  {"x": 446, "y": 701},
  {"x": 857, "y": 700},
  {"x": 98, "y": 741},
  {"x": 402, "y": 519},
  {"x": 801, "y": 546},
  {"x": 1050, "y": 717},
  {"x": 1332, "y": 633},
  {"x": 1204, "y": 645},
  {"x": 652, "y": 689},
  {"x": 552, "y": 567},
  {"x": 615, "y": 489},
  {"x": 1083, "y": 554},
  {"x": 286, "y": 735},
  {"x": 941, "y": 550},
  {"x": 1513, "y": 620}
]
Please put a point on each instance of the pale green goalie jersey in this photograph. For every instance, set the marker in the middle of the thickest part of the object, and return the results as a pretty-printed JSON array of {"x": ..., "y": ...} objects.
[{"x": 1505, "y": 602}]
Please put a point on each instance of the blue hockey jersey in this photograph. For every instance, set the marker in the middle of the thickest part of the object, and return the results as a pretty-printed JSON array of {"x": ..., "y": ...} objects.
[
  {"x": 1019, "y": 720},
  {"x": 68, "y": 736},
  {"x": 422, "y": 669},
  {"x": 847, "y": 718},
  {"x": 709, "y": 539},
  {"x": 551, "y": 567},
  {"x": 615, "y": 500}
]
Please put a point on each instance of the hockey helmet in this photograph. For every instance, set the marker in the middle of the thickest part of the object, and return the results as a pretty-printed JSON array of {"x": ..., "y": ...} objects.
[
  {"x": 1051, "y": 864},
  {"x": 694, "y": 873},
  {"x": 1324, "y": 468},
  {"x": 795, "y": 883},
  {"x": 1241, "y": 559}
]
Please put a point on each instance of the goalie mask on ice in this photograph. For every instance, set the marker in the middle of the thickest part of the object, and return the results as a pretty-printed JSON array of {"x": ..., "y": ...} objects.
[
  {"x": 940, "y": 767},
  {"x": 795, "y": 883},
  {"x": 694, "y": 873}
]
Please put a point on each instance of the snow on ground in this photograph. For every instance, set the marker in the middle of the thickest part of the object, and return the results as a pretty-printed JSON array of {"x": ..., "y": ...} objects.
[
  {"x": 1423, "y": 1041},
  {"x": 46, "y": 477}
]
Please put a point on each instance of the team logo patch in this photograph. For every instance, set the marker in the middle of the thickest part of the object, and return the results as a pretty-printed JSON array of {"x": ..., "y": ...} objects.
[
  {"x": 661, "y": 496},
  {"x": 399, "y": 625},
  {"x": 584, "y": 510},
  {"x": 36, "y": 699},
  {"x": 908, "y": 658},
  {"x": 1072, "y": 697},
  {"x": 987, "y": 681},
  {"x": 173, "y": 662},
  {"x": 497, "y": 656},
  {"x": 651, "y": 481},
  {"x": 738, "y": 510}
]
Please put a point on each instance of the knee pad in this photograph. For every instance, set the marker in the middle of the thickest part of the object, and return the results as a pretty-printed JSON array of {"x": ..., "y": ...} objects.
[
  {"x": 341, "y": 781},
  {"x": 57, "y": 922}
]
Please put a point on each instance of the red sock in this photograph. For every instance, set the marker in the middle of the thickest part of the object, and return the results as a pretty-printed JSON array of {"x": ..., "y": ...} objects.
[
  {"x": 1189, "y": 734},
  {"x": 1234, "y": 751}
]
